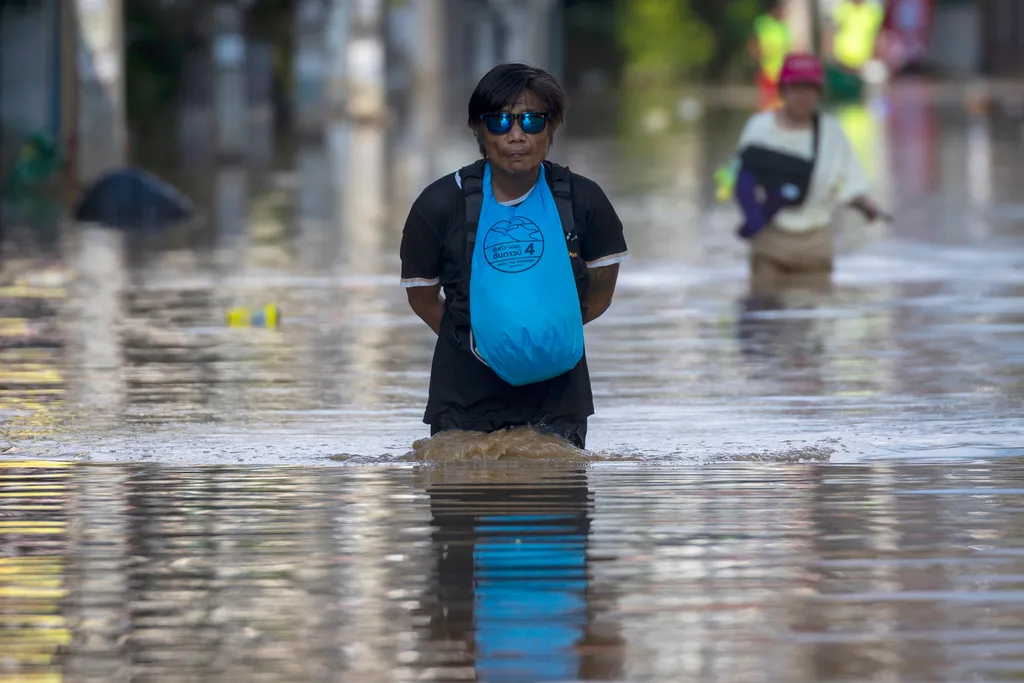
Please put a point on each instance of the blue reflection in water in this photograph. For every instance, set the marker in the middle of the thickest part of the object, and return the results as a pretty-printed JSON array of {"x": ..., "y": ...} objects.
[
  {"x": 512, "y": 575},
  {"x": 530, "y": 604}
]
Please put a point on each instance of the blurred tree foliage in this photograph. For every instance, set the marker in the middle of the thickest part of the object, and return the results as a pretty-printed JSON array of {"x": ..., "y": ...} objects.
[
  {"x": 160, "y": 33},
  {"x": 668, "y": 41},
  {"x": 271, "y": 21},
  {"x": 655, "y": 42},
  {"x": 663, "y": 39}
]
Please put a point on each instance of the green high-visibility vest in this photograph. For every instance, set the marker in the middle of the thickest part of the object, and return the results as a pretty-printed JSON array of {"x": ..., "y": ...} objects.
[
  {"x": 773, "y": 39},
  {"x": 857, "y": 27}
]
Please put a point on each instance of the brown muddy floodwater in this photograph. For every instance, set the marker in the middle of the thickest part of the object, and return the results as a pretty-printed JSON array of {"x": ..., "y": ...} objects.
[{"x": 827, "y": 489}]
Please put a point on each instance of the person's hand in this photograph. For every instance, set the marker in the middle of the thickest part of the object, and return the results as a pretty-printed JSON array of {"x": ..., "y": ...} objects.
[
  {"x": 868, "y": 208},
  {"x": 749, "y": 228}
]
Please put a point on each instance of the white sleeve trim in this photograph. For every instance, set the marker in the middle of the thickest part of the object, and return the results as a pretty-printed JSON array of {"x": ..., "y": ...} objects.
[
  {"x": 609, "y": 260},
  {"x": 420, "y": 282}
]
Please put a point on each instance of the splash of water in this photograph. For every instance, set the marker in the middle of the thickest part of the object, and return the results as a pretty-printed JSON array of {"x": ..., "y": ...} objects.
[{"x": 520, "y": 443}]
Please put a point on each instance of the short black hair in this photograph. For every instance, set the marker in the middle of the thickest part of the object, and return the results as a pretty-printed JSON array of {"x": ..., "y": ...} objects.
[{"x": 502, "y": 85}]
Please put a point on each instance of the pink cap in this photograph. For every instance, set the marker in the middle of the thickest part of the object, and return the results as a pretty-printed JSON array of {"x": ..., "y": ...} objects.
[{"x": 802, "y": 68}]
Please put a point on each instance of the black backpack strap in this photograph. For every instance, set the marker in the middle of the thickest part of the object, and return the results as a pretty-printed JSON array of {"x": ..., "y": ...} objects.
[
  {"x": 472, "y": 178},
  {"x": 559, "y": 177},
  {"x": 815, "y": 143}
]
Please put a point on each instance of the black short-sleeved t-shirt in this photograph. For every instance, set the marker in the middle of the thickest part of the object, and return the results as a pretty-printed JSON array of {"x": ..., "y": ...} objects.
[{"x": 463, "y": 391}]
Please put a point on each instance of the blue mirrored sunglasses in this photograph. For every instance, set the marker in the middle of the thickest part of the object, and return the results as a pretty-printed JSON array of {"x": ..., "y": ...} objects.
[{"x": 531, "y": 122}]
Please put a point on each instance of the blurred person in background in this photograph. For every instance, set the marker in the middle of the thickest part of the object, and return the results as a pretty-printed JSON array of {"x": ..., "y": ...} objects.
[
  {"x": 796, "y": 166},
  {"x": 526, "y": 253},
  {"x": 851, "y": 42},
  {"x": 768, "y": 47}
]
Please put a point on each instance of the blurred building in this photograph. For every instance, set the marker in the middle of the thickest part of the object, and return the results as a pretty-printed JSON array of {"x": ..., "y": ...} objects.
[
  {"x": 948, "y": 37},
  {"x": 955, "y": 36},
  {"x": 1002, "y": 36},
  {"x": 29, "y": 72},
  {"x": 574, "y": 38}
]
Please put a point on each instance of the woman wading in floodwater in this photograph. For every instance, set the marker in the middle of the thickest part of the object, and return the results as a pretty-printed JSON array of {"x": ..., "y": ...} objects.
[{"x": 796, "y": 168}]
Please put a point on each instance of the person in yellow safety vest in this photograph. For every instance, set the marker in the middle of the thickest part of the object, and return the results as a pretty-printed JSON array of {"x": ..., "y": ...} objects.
[
  {"x": 855, "y": 28},
  {"x": 768, "y": 47}
]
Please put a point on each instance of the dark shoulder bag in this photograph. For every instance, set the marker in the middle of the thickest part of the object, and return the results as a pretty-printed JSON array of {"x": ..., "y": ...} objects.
[{"x": 783, "y": 175}]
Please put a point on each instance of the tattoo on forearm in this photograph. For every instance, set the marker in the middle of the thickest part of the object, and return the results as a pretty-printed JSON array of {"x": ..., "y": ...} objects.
[{"x": 602, "y": 280}]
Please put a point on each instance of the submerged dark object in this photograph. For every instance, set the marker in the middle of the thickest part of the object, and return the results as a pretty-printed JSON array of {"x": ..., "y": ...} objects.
[{"x": 133, "y": 199}]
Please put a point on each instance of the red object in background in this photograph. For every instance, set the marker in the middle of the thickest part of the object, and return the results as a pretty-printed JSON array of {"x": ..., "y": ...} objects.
[
  {"x": 802, "y": 67},
  {"x": 768, "y": 91},
  {"x": 906, "y": 32}
]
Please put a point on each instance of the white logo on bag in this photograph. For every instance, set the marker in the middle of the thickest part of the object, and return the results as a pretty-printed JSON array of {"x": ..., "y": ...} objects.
[{"x": 790, "y": 191}]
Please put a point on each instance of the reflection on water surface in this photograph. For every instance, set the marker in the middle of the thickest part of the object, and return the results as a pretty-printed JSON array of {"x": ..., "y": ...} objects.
[{"x": 512, "y": 572}]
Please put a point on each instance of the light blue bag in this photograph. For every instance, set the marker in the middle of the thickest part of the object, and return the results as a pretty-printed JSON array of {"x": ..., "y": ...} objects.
[{"x": 524, "y": 309}]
